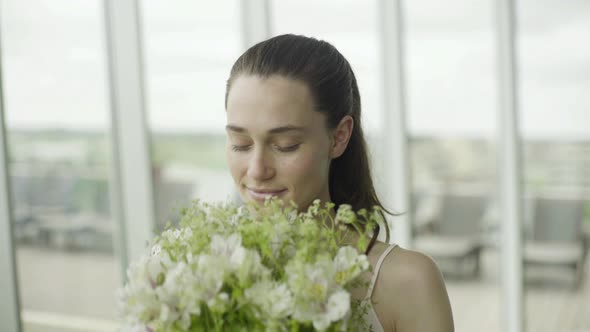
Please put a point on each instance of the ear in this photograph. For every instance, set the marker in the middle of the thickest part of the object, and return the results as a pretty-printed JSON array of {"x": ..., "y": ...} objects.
[{"x": 340, "y": 136}]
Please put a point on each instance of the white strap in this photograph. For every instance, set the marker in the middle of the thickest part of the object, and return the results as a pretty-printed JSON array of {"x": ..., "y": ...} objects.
[{"x": 376, "y": 270}]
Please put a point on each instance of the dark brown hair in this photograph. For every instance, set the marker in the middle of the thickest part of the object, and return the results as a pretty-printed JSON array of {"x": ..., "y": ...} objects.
[{"x": 333, "y": 86}]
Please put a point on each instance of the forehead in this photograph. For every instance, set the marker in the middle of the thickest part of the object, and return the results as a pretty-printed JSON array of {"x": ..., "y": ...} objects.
[{"x": 257, "y": 103}]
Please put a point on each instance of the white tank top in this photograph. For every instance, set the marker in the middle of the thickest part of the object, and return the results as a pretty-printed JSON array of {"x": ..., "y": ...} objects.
[{"x": 371, "y": 315}]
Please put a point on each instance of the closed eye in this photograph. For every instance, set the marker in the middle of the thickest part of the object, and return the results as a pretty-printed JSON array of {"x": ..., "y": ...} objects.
[
  {"x": 240, "y": 148},
  {"x": 289, "y": 148}
]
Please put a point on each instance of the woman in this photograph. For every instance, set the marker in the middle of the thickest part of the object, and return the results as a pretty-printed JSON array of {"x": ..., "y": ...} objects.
[{"x": 294, "y": 132}]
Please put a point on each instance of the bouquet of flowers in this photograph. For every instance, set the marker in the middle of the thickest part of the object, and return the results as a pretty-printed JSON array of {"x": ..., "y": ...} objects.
[{"x": 249, "y": 268}]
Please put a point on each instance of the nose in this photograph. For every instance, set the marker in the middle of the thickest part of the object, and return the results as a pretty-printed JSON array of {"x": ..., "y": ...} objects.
[{"x": 261, "y": 165}]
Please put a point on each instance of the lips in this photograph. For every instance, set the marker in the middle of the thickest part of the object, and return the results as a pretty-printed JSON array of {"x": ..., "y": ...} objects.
[{"x": 262, "y": 194}]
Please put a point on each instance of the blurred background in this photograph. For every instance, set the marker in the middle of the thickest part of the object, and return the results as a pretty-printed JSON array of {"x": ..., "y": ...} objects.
[{"x": 62, "y": 155}]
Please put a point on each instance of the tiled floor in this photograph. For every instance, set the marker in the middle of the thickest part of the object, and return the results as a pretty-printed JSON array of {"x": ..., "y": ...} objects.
[{"x": 551, "y": 304}]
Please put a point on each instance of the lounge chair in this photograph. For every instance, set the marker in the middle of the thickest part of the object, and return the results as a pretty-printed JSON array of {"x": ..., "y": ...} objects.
[
  {"x": 557, "y": 237},
  {"x": 456, "y": 232}
]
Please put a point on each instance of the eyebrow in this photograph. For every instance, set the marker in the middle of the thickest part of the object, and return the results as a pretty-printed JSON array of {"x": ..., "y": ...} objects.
[{"x": 277, "y": 130}]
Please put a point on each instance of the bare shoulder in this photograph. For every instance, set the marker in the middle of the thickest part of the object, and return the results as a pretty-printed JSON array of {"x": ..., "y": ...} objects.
[
  {"x": 410, "y": 294},
  {"x": 407, "y": 268}
]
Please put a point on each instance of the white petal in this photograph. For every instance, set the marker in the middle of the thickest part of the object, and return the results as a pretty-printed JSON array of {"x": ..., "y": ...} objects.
[{"x": 338, "y": 305}]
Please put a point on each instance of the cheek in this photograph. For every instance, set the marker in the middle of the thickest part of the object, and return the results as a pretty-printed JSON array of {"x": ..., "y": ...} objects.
[
  {"x": 308, "y": 168},
  {"x": 235, "y": 165}
]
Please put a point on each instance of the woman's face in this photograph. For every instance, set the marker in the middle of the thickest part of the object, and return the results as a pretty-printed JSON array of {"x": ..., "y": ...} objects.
[{"x": 277, "y": 144}]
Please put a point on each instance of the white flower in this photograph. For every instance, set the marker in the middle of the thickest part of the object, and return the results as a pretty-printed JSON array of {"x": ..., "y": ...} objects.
[
  {"x": 209, "y": 275},
  {"x": 169, "y": 235},
  {"x": 349, "y": 264},
  {"x": 220, "y": 303},
  {"x": 149, "y": 269},
  {"x": 317, "y": 296},
  {"x": 345, "y": 214},
  {"x": 157, "y": 266},
  {"x": 176, "y": 300},
  {"x": 177, "y": 233},
  {"x": 274, "y": 299},
  {"x": 187, "y": 233},
  {"x": 156, "y": 250},
  {"x": 230, "y": 247},
  {"x": 186, "y": 286},
  {"x": 337, "y": 307},
  {"x": 138, "y": 300}
]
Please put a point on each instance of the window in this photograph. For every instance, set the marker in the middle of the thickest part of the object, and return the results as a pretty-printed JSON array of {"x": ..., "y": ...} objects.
[
  {"x": 57, "y": 115},
  {"x": 189, "y": 50}
]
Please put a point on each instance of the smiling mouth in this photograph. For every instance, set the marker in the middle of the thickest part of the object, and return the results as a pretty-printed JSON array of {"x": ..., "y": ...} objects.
[{"x": 261, "y": 195}]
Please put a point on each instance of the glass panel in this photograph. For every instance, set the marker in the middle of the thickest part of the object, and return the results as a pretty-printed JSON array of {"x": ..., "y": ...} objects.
[
  {"x": 57, "y": 114},
  {"x": 554, "y": 80},
  {"x": 190, "y": 47},
  {"x": 452, "y": 116}
]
